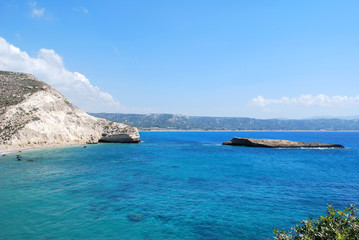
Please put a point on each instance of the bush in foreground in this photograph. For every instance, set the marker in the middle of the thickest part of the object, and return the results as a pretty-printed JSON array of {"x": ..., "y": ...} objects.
[{"x": 335, "y": 224}]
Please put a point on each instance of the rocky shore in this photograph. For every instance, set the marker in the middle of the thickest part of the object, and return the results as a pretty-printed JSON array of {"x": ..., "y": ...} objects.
[
  {"x": 35, "y": 115},
  {"x": 273, "y": 143}
]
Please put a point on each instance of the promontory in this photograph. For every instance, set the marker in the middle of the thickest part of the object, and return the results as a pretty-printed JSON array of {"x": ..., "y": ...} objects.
[
  {"x": 274, "y": 143},
  {"x": 33, "y": 114}
]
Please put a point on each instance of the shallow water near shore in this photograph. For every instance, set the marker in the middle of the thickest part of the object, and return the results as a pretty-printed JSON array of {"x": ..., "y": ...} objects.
[{"x": 175, "y": 185}]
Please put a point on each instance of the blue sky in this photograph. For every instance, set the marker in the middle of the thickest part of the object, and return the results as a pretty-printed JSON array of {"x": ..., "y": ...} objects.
[{"x": 265, "y": 59}]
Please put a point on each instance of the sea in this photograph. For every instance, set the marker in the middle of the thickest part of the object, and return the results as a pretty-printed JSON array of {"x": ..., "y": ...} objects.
[{"x": 175, "y": 185}]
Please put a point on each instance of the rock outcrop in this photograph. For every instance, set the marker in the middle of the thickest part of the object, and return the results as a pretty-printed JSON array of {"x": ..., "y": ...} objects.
[
  {"x": 272, "y": 143},
  {"x": 33, "y": 114}
]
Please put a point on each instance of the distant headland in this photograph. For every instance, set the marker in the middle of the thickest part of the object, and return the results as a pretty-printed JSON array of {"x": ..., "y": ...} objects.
[{"x": 175, "y": 122}]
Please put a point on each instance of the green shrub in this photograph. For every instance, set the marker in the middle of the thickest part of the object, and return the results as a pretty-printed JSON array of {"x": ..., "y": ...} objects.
[
  {"x": 35, "y": 118},
  {"x": 335, "y": 224}
]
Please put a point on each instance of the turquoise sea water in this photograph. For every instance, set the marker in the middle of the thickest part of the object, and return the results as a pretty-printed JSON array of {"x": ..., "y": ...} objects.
[{"x": 175, "y": 185}]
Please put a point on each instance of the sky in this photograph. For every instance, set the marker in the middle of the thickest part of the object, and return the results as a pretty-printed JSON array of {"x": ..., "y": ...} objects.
[{"x": 234, "y": 58}]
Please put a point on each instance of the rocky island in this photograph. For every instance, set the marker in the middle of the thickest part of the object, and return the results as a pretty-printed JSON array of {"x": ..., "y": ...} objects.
[
  {"x": 33, "y": 114},
  {"x": 273, "y": 143}
]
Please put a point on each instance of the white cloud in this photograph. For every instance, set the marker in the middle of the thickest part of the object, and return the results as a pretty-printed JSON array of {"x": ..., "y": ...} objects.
[
  {"x": 48, "y": 66},
  {"x": 81, "y": 9},
  {"x": 36, "y": 12},
  {"x": 308, "y": 100}
]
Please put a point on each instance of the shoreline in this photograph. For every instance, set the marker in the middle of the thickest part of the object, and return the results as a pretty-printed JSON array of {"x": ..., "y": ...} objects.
[
  {"x": 27, "y": 149},
  {"x": 182, "y": 130},
  {"x": 63, "y": 145}
]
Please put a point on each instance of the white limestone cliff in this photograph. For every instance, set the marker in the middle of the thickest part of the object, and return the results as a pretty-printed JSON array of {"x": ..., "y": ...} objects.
[{"x": 34, "y": 115}]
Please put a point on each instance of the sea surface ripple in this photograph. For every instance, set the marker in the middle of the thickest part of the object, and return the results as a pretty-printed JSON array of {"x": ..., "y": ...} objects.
[{"x": 175, "y": 185}]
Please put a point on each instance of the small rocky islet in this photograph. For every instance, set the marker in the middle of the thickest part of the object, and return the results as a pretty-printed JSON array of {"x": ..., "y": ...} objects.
[{"x": 278, "y": 143}]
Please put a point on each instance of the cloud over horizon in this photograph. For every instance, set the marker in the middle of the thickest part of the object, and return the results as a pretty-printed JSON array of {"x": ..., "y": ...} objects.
[
  {"x": 307, "y": 100},
  {"x": 48, "y": 66}
]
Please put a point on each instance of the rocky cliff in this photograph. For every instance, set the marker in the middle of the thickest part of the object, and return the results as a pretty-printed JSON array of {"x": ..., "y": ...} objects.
[{"x": 33, "y": 115}]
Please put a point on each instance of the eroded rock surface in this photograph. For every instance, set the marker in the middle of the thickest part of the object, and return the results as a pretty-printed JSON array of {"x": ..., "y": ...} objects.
[
  {"x": 34, "y": 114},
  {"x": 273, "y": 143}
]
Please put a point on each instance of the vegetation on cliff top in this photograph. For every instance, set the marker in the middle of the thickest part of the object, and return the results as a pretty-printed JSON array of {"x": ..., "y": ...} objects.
[
  {"x": 336, "y": 224},
  {"x": 14, "y": 87}
]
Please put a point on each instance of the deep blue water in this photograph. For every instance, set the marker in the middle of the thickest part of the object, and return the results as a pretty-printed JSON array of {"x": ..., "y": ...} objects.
[{"x": 177, "y": 185}]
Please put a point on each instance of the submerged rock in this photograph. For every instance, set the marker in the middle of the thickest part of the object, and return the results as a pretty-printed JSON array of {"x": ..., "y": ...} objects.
[
  {"x": 274, "y": 143},
  {"x": 164, "y": 218},
  {"x": 135, "y": 217}
]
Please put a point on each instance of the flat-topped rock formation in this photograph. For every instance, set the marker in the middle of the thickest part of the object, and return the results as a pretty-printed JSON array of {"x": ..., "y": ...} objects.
[
  {"x": 272, "y": 143},
  {"x": 33, "y": 114}
]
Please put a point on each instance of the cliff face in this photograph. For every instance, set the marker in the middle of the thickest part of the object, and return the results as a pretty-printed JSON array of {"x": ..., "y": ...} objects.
[{"x": 33, "y": 114}]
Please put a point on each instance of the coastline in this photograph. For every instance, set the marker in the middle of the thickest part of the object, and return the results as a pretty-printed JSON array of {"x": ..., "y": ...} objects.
[
  {"x": 32, "y": 148},
  {"x": 201, "y": 130},
  {"x": 62, "y": 145}
]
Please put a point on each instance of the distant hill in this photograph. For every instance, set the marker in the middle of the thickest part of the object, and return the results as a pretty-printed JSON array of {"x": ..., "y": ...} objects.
[{"x": 182, "y": 122}]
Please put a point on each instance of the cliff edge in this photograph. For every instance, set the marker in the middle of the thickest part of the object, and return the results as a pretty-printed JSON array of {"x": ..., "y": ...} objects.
[{"x": 33, "y": 114}]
